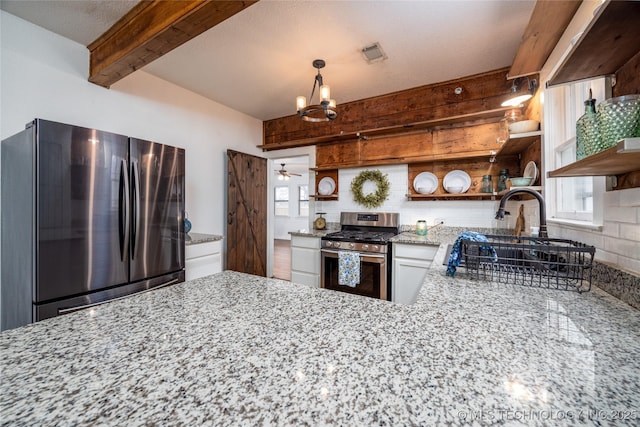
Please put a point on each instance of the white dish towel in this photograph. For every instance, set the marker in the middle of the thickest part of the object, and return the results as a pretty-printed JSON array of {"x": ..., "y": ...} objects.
[{"x": 348, "y": 268}]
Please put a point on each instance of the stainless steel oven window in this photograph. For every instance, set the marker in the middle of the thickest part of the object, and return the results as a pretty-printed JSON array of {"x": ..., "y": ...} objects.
[{"x": 373, "y": 276}]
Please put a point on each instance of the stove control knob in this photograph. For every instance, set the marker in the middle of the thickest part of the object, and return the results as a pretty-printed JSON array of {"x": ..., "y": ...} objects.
[
  {"x": 336, "y": 244},
  {"x": 352, "y": 245},
  {"x": 328, "y": 244},
  {"x": 365, "y": 247},
  {"x": 376, "y": 247}
]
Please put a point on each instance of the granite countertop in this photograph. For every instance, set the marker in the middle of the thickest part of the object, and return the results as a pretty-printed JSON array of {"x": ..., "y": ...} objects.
[
  {"x": 196, "y": 238},
  {"x": 234, "y": 349},
  {"x": 410, "y": 237},
  {"x": 313, "y": 232}
]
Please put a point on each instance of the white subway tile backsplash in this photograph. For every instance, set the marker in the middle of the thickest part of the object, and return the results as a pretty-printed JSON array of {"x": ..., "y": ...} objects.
[
  {"x": 621, "y": 214},
  {"x": 611, "y": 229},
  {"x": 630, "y": 231},
  {"x": 621, "y": 246},
  {"x": 629, "y": 197},
  {"x": 629, "y": 264},
  {"x": 618, "y": 243},
  {"x": 612, "y": 198},
  {"x": 608, "y": 257}
]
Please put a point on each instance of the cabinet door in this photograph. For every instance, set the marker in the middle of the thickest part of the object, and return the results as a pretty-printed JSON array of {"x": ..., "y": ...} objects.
[
  {"x": 203, "y": 259},
  {"x": 408, "y": 276},
  {"x": 305, "y": 260}
]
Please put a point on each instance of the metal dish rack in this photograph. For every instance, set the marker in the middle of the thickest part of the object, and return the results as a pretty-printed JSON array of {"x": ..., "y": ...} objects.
[{"x": 530, "y": 261}]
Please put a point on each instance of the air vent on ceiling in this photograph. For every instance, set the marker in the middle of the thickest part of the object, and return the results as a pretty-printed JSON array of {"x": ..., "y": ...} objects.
[{"x": 373, "y": 53}]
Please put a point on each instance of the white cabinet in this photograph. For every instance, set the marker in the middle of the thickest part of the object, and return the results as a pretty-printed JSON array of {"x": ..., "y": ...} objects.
[
  {"x": 305, "y": 260},
  {"x": 410, "y": 265},
  {"x": 203, "y": 259}
]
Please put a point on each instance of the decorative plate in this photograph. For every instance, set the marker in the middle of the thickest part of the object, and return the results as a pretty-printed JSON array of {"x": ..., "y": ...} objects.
[
  {"x": 457, "y": 178},
  {"x": 531, "y": 171},
  {"x": 425, "y": 183},
  {"x": 326, "y": 186}
]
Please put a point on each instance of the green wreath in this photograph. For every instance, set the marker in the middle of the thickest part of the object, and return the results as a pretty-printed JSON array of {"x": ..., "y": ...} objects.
[{"x": 372, "y": 200}]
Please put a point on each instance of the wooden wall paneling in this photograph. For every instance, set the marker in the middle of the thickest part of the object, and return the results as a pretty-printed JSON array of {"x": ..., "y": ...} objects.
[
  {"x": 398, "y": 149},
  {"x": 469, "y": 139},
  {"x": 480, "y": 93},
  {"x": 338, "y": 154}
]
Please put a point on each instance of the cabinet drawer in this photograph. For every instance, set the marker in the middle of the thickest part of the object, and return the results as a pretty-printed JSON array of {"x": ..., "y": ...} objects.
[
  {"x": 202, "y": 266},
  {"x": 202, "y": 249},
  {"x": 305, "y": 242},
  {"x": 420, "y": 252},
  {"x": 305, "y": 260}
]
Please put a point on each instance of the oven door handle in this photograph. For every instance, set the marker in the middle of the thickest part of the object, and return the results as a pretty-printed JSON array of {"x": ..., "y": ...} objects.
[{"x": 329, "y": 251}]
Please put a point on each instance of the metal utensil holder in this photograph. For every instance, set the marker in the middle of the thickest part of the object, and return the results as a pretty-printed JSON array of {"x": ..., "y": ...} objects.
[{"x": 530, "y": 261}]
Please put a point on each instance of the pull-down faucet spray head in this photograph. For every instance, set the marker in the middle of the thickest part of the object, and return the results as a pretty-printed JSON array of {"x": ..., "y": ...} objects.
[{"x": 543, "y": 218}]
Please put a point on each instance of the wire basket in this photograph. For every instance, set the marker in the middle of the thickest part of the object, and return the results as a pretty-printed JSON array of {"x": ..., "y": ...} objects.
[{"x": 530, "y": 261}]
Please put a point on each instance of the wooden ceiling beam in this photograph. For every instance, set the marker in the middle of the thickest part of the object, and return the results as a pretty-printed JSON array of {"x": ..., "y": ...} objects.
[
  {"x": 548, "y": 22},
  {"x": 151, "y": 29}
]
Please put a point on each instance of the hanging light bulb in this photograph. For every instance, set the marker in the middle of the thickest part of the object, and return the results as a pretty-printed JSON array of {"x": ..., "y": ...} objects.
[{"x": 325, "y": 110}]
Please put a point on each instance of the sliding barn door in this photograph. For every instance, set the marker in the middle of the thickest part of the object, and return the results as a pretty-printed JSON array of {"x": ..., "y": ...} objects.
[{"x": 246, "y": 213}]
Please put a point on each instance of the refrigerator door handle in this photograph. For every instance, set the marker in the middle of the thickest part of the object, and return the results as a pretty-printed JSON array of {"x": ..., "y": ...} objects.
[
  {"x": 136, "y": 209},
  {"x": 124, "y": 209}
]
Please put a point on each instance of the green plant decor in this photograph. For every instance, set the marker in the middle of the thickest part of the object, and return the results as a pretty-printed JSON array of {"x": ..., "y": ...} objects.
[{"x": 372, "y": 200}]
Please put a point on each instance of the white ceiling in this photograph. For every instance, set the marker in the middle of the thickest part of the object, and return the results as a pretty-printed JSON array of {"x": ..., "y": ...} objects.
[{"x": 259, "y": 60}]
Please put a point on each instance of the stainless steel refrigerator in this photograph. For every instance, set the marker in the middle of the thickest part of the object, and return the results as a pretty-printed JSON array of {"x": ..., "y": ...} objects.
[{"x": 87, "y": 216}]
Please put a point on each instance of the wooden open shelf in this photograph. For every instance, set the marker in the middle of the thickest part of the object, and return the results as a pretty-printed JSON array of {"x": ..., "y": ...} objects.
[
  {"x": 491, "y": 115},
  {"x": 470, "y": 196},
  {"x": 608, "y": 42},
  {"x": 330, "y": 173},
  {"x": 517, "y": 143},
  {"x": 449, "y": 196},
  {"x": 623, "y": 158}
]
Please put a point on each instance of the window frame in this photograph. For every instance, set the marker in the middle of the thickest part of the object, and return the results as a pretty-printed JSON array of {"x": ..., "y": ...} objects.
[
  {"x": 277, "y": 201},
  {"x": 561, "y": 116},
  {"x": 301, "y": 199}
]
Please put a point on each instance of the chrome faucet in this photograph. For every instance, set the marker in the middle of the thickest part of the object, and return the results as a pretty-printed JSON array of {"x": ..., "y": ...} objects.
[{"x": 543, "y": 217}]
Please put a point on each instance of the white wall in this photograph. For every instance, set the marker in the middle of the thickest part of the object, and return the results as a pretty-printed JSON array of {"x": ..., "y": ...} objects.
[
  {"x": 454, "y": 213},
  {"x": 294, "y": 222},
  {"x": 617, "y": 242},
  {"x": 45, "y": 75}
]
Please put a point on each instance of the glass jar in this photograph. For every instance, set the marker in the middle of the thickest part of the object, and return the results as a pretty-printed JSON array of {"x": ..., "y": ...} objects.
[
  {"x": 487, "y": 184},
  {"x": 502, "y": 179},
  {"x": 421, "y": 228},
  {"x": 587, "y": 135},
  {"x": 510, "y": 116}
]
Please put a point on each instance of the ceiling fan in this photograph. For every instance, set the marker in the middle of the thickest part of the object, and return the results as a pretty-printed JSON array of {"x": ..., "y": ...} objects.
[{"x": 283, "y": 175}]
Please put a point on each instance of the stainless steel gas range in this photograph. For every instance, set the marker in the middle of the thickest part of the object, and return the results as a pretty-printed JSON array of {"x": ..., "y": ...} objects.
[{"x": 363, "y": 240}]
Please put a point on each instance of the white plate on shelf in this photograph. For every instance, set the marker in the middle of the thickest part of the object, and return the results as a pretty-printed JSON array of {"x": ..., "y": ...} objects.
[
  {"x": 326, "y": 186},
  {"x": 457, "y": 178},
  {"x": 531, "y": 170},
  {"x": 425, "y": 183}
]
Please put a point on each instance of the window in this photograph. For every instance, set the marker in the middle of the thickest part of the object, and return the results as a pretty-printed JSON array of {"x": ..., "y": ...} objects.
[
  {"x": 303, "y": 200},
  {"x": 282, "y": 201},
  {"x": 572, "y": 198}
]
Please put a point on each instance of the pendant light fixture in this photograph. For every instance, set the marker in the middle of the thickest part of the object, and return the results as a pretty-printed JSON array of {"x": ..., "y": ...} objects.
[
  {"x": 518, "y": 96},
  {"x": 325, "y": 110}
]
